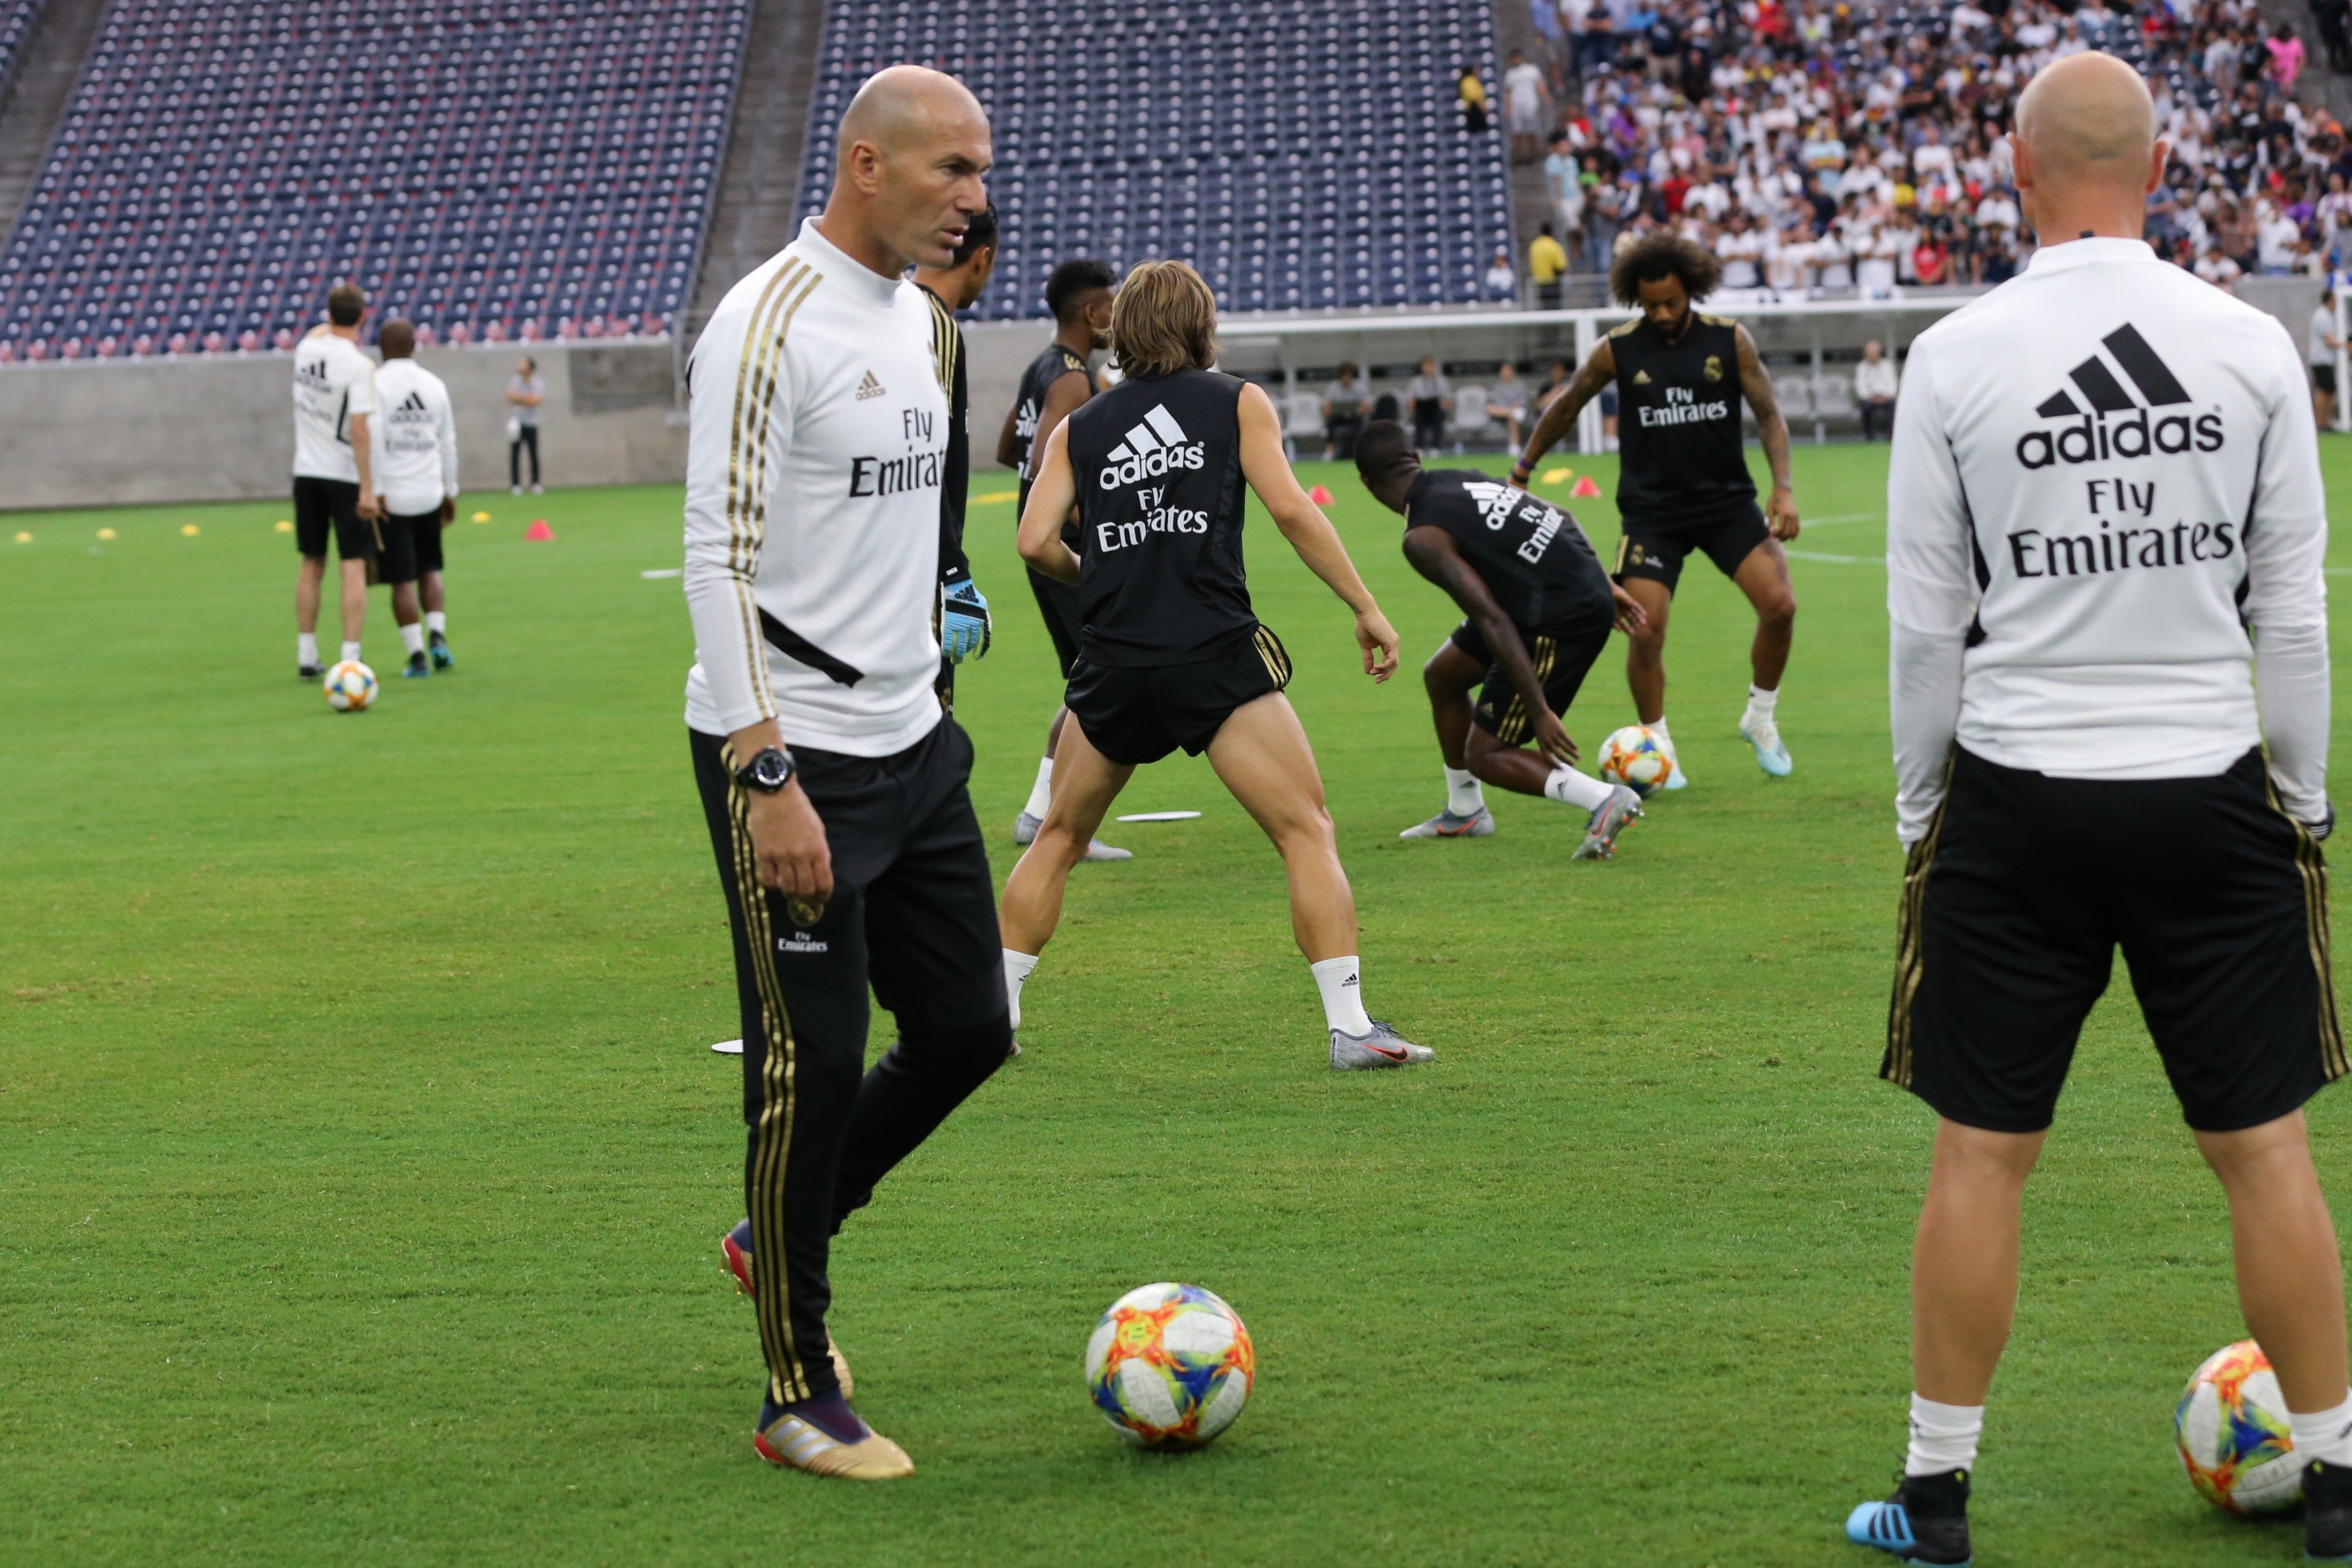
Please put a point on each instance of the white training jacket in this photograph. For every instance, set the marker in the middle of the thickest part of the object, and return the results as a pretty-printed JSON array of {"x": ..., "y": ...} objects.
[
  {"x": 415, "y": 439},
  {"x": 2106, "y": 497},
  {"x": 812, "y": 506},
  {"x": 333, "y": 380}
]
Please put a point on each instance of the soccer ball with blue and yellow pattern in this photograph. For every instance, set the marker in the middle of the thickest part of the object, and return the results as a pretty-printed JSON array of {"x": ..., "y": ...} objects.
[
  {"x": 1635, "y": 757},
  {"x": 1169, "y": 1366},
  {"x": 351, "y": 687},
  {"x": 2234, "y": 1439}
]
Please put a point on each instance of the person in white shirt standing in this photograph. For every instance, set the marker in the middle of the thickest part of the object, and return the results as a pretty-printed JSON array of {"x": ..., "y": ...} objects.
[
  {"x": 416, "y": 491},
  {"x": 2104, "y": 502},
  {"x": 835, "y": 785},
  {"x": 334, "y": 394}
]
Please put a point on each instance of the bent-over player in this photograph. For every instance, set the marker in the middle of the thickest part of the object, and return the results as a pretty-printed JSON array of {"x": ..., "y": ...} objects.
[
  {"x": 417, "y": 490},
  {"x": 1536, "y": 609},
  {"x": 1682, "y": 483},
  {"x": 836, "y": 788},
  {"x": 1170, "y": 653}
]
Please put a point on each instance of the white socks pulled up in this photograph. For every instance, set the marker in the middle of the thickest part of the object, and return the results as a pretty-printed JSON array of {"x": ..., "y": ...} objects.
[
  {"x": 438, "y": 621},
  {"x": 1943, "y": 1437},
  {"x": 1343, "y": 994},
  {"x": 412, "y": 638},
  {"x": 1017, "y": 967},
  {"x": 1569, "y": 787},
  {"x": 1041, "y": 793},
  {"x": 306, "y": 649},
  {"x": 1464, "y": 795},
  {"x": 1760, "y": 704},
  {"x": 352, "y": 652},
  {"x": 2327, "y": 1437}
]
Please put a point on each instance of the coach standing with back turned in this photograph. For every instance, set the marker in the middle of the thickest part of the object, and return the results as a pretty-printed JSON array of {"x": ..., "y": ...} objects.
[
  {"x": 2105, "y": 530},
  {"x": 836, "y": 788}
]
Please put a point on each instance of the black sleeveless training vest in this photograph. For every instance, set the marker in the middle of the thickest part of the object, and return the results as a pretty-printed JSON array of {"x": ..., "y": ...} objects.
[
  {"x": 1158, "y": 462},
  {"x": 1678, "y": 422},
  {"x": 1029, "y": 406}
]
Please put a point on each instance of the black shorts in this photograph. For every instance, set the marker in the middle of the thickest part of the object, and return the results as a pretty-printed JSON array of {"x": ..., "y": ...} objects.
[
  {"x": 1058, "y": 602},
  {"x": 425, "y": 538},
  {"x": 402, "y": 536},
  {"x": 2323, "y": 378},
  {"x": 1135, "y": 716},
  {"x": 1655, "y": 551},
  {"x": 2015, "y": 901},
  {"x": 1562, "y": 655},
  {"x": 323, "y": 504}
]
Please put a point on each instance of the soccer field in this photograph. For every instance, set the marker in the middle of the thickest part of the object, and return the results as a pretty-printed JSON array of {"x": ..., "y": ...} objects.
[{"x": 363, "y": 1157}]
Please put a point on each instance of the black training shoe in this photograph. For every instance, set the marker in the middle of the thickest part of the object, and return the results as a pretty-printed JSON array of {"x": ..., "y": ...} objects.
[
  {"x": 442, "y": 657},
  {"x": 1925, "y": 1521},
  {"x": 417, "y": 668},
  {"x": 2328, "y": 1511},
  {"x": 307, "y": 672}
]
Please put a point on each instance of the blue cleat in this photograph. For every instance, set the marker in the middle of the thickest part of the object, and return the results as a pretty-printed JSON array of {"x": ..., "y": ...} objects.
[
  {"x": 416, "y": 669},
  {"x": 1926, "y": 1522},
  {"x": 1771, "y": 755},
  {"x": 439, "y": 646}
]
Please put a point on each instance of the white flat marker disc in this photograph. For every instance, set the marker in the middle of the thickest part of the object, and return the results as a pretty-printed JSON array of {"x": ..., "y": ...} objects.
[
  {"x": 729, "y": 1048},
  {"x": 1158, "y": 816},
  {"x": 659, "y": 572}
]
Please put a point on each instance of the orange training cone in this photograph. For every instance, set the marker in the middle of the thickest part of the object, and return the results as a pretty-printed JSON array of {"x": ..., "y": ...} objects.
[
  {"x": 1319, "y": 495},
  {"x": 1585, "y": 489},
  {"x": 538, "y": 529}
]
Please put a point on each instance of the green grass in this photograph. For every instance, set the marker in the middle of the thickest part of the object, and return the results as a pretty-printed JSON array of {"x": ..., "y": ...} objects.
[{"x": 362, "y": 1156}]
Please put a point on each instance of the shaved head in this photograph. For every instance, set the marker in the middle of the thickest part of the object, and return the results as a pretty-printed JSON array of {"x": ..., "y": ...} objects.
[
  {"x": 2088, "y": 116},
  {"x": 908, "y": 174}
]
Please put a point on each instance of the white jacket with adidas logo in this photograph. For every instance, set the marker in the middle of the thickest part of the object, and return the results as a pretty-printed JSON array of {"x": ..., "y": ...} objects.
[{"x": 2106, "y": 496}]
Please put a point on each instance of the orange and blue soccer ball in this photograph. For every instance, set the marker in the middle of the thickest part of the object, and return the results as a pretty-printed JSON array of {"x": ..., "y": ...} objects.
[
  {"x": 351, "y": 687},
  {"x": 1169, "y": 1366},
  {"x": 2234, "y": 1439},
  {"x": 1636, "y": 758}
]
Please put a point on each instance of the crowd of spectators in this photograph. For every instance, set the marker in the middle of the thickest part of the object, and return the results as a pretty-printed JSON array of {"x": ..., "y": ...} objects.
[{"x": 1855, "y": 148}]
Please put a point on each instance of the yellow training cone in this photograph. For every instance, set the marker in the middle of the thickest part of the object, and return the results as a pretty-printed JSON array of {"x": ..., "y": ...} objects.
[
  {"x": 284, "y": 526},
  {"x": 105, "y": 533},
  {"x": 1557, "y": 475},
  {"x": 189, "y": 531},
  {"x": 24, "y": 539},
  {"x": 481, "y": 517}
]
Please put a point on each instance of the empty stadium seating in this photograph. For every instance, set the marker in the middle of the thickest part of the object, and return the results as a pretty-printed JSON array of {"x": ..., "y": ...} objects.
[
  {"x": 16, "y": 19},
  {"x": 1304, "y": 154},
  {"x": 492, "y": 168}
]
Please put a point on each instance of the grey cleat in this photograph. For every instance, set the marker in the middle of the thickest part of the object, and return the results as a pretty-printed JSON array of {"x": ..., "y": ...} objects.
[
  {"x": 1479, "y": 824},
  {"x": 1383, "y": 1048},
  {"x": 1608, "y": 820},
  {"x": 1025, "y": 831}
]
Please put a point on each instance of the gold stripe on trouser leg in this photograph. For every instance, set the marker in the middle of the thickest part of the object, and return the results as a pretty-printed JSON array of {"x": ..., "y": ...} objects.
[
  {"x": 2311, "y": 866},
  {"x": 1910, "y": 960},
  {"x": 1270, "y": 654},
  {"x": 772, "y": 1136}
]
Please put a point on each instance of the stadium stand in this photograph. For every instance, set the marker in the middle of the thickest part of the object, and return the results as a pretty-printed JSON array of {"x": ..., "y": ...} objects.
[
  {"x": 1856, "y": 149},
  {"x": 491, "y": 168},
  {"x": 17, "y": 19},
  {"x": 1305, "y": 156}
]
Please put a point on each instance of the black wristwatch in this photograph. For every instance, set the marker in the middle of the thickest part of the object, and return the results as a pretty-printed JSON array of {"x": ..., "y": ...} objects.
[{"x": 770, "y": 771}]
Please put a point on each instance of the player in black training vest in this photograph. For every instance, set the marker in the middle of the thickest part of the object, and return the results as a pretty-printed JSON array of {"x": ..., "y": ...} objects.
[
  {"x": 961, "y": 621},
  {"x": 1684, "y": 484},
  {"x": 1056, "y": 381},
  {"x": 1537, "y": 608},
  {"x": 1170, "y": 653}
]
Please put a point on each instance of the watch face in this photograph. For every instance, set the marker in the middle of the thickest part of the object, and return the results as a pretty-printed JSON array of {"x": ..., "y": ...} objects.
[{"x": 770, "y": 770}]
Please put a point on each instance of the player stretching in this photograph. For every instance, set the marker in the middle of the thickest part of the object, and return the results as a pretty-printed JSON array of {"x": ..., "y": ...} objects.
[
  {"x": 852, "y": 859},
  {"x": 1684, "y": 484},
  {"x": 417, "y": 481},
  {"x": 1056, "y": 381},
  {"x": 334, "y": 489},
  {"x": 962, "y": 625},
  {"x": 1169, "y": 654},
  {"x": 2104, "y": 476},
  {"x": 1537, "y": 608}
]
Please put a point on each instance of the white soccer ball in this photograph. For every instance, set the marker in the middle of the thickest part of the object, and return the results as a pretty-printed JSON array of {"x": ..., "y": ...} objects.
[
  {"x": 351, "y": 687},
  {"x": 1635, "y": 757},
  {"x": 2234, "y": 1439},
  {"x": 1169, "y": 1366}
]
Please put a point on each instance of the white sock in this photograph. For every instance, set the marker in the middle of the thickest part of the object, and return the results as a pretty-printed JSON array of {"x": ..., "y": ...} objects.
[
  {"x": 2326, "y": 1435},
  {"x": 1017, "y": 967},
  {"x": 1943, "y": 1437},
  {"x": 1463, "y": 795},
  {"x": 1569, "y": 787},
  {"x": 1759, "y": 706},
  {"x": 438, "y": 621},
  {"x": 306, "y": 648},
  {"x": 1657, "y": 727},
  {"x": 1041, "y": 793},
  {"x": 412, "y": 638},
  {"x": 351, "y": 653},
  {"x": 1343, "y": 994}
]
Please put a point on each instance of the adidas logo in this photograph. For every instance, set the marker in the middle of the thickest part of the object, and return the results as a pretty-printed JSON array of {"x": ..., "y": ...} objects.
[
  {"x": 413, "y": 403},
  {"x": 1152, "y": 448},
  {"x": 1348, "y": 984},
  {"x": 2115, "y": 424},
  {"x": 1641, "y": 378},
  {"x": 870, "y": 388}
]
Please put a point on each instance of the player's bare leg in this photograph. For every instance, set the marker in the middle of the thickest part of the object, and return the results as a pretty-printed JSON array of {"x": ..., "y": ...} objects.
[
  {"x": 1764, "y": 578},
  {"x": 355, "y": 604},
  {"x": 409, "y": 619},
  {"x": 1261, "y": 754},
  {"x": 2289, "y": 1279},
  {"x": 1449, "y": 677},
  {"x": 429, "y": 593},
  {"x": 1084, "y": 784},
  {"x": 309, "y": 578},
  {"x": 1025, "y": 826},
  {"x": 1645, "y": 665},
  {"x": 1964, "y": 1260}
]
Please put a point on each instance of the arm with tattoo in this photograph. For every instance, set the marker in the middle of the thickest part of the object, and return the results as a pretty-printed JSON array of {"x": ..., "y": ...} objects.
[
  {"x": 1598, "y": 371},
  {"x": 1772, "y": 431}
]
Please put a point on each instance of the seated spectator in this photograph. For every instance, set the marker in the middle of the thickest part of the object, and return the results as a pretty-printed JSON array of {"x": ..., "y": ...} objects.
[
  {"x": 1343, "y": 414},
  {"x": 1873, "y": 389},
  {"x": 1507, "y": 401},
  {"x": 1432, "y": 396},
  {"x": 1502, "y": 283},
  {"x": 2217, "y": 269}
]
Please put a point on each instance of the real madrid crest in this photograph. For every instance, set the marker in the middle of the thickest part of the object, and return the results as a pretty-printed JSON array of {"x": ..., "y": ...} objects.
[{"x": 1713, "y": 367}]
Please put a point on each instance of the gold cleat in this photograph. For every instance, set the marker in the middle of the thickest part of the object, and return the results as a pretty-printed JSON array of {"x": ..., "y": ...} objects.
[{"x": 797, "y": 1444}]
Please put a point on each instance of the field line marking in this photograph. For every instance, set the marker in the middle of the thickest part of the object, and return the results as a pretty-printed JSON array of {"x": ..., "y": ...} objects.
[{"x": 1837, "y": 560}]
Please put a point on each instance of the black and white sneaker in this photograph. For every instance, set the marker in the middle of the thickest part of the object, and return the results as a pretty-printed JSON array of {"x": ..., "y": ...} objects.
[
  {"x": 307, "y": 672},
  {"x": 1925, "y": 1521},
  {"x": 2327, "y": 1512}
]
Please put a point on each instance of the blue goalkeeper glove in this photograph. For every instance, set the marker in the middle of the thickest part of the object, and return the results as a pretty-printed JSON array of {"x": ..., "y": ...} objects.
[{"x": 964, "y": 627}]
